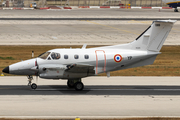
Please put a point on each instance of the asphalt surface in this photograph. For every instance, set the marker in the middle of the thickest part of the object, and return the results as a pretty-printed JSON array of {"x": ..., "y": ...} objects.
[
  {"x": 91, "y": 90},
  {"x": 103, "y": 97}
]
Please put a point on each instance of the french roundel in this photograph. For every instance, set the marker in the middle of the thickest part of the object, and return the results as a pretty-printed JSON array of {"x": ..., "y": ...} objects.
[{"x": 117, "y": 58}]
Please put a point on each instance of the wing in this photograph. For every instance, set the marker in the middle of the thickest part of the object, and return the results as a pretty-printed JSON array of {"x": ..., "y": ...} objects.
[{"x": 80, "y": 68}]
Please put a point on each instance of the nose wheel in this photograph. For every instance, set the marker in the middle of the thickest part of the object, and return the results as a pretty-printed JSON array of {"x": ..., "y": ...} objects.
[{"x": 34, "y": 86}]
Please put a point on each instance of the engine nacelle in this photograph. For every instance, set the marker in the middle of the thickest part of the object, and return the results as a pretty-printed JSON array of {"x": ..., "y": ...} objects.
[{"x": 51, "y": 71}]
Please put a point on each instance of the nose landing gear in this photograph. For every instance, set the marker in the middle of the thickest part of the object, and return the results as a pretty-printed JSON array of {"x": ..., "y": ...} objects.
[{"x": 33, "y": 85}]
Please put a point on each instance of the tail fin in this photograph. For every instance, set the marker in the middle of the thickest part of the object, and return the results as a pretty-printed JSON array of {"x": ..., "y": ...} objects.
[{"x": 153, "y": 37}]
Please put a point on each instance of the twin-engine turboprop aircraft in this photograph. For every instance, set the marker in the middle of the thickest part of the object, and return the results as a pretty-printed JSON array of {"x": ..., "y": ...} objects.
[{"x": 74, "y": 64}]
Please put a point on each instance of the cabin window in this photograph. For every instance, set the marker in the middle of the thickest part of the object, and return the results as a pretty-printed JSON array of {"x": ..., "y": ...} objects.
[
  {"x": 44, "y": 55},
  {"x": 86, "y": 56},
  {"x": 55, "y": 56},
  {"x": 65, "y": 56},
  {"x": 76, "y": 56}
]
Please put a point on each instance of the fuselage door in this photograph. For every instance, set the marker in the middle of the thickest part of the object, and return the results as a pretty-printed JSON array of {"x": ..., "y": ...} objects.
[{"x": 100, "y": 61}]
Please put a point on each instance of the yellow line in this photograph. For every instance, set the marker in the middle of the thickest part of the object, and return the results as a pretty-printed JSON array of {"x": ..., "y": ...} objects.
[
  {"x": 112, "y": 27},
  {"x": 175, "y": 29},
  {"x": 144, "y": 22}
]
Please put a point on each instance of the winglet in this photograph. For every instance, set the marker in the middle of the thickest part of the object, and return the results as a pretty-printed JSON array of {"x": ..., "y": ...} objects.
[{"x": 84, "y": 46}]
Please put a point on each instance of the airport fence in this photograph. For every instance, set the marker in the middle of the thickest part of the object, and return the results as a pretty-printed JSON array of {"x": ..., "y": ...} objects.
[{"x": 42, "y": 3}]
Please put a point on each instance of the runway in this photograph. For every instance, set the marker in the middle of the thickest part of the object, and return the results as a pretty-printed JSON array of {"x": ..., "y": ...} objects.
[
  {"x": 94, "y": 86},
  {"x": 91, "y": 90},
  {"x": 113, "y": 97}
]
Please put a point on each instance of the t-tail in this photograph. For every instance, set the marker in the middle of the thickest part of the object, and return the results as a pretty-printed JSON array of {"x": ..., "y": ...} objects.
[{"x": 153, "y": 38}]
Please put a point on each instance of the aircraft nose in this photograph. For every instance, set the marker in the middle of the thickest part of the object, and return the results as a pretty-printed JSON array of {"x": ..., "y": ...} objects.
[{"x": 6, "y": 70}]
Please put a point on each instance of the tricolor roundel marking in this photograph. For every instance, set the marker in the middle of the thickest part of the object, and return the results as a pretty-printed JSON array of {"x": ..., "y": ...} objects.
[{"x": 117, "y": 58}]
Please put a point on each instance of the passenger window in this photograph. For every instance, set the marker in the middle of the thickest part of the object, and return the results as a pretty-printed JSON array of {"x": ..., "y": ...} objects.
[
  {"x": 49, "y": 58},
  {"x": 65, "y": 56},
  {"x": 55, "y": 56},
  {"x": 86, "y": 56},
  {"x": 76, "y": 56}
]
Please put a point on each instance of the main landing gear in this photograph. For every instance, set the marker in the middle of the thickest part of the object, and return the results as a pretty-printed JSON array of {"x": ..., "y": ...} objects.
[
  {"x": 33, "y": 85},
  {"x": 176, "y": 10},
  {"x": 76, "y": 84}
]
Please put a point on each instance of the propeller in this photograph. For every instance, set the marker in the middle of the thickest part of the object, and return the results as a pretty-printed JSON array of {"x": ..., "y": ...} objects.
[{"x": 37, "y": 73}]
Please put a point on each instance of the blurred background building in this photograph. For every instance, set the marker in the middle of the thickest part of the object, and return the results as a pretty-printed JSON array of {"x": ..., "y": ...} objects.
[{"x": 42, "y": 3}]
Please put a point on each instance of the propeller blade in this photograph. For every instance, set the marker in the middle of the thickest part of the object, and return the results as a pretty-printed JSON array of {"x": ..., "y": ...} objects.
[{"x": 37, "y": 68}]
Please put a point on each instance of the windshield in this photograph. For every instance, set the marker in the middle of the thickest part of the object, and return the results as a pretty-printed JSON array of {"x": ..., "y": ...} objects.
[{"x": 44, "y": 55}]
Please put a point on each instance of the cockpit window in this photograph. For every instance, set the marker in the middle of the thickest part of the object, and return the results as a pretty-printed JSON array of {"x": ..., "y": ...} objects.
[
  {"x": 55, "y": 56},
  {"x": 44, "y": 55}
]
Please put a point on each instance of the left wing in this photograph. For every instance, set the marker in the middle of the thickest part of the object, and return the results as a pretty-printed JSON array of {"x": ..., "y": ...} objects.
[{"x": 80, "y": 68}]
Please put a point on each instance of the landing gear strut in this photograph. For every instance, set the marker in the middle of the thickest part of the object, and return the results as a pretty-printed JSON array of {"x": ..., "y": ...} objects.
[
  {"x": 176, "y": 10},
  {"x": 33, "y": 85},
  {"x": 30, "y": 78},
  {"x": 77, "y": 84},
  {"x": 70, "y": 83}
]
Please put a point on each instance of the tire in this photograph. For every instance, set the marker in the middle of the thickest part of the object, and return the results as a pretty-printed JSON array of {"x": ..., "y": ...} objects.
[
  {"x": 70, "y": 83},
  {"x": 33, "y": 86},
  {"x": 176, "y": 10},
  {"x": 79, "y": 86}
]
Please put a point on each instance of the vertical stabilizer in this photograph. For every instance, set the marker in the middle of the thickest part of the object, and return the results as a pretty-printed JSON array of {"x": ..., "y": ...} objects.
[{"x": 154, "y": 36}]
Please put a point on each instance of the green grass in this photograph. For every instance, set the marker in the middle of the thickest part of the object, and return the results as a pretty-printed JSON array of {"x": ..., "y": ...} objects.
[{"x": 7, "y": 58}]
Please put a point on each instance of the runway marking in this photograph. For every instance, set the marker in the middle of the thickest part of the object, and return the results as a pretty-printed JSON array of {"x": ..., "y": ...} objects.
[
  {"x": 142, "y": 22},
  {"x": 112, "y": 27},
  {"x": 175, "y": 30}
]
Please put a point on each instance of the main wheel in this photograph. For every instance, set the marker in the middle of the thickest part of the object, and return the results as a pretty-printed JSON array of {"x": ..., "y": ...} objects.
[
  {"x": 79, "y": 86},
  {"x": 70, "y": 83},
  {"x": 33, "y": 86},
  {"x": 176, "y": 10}
]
